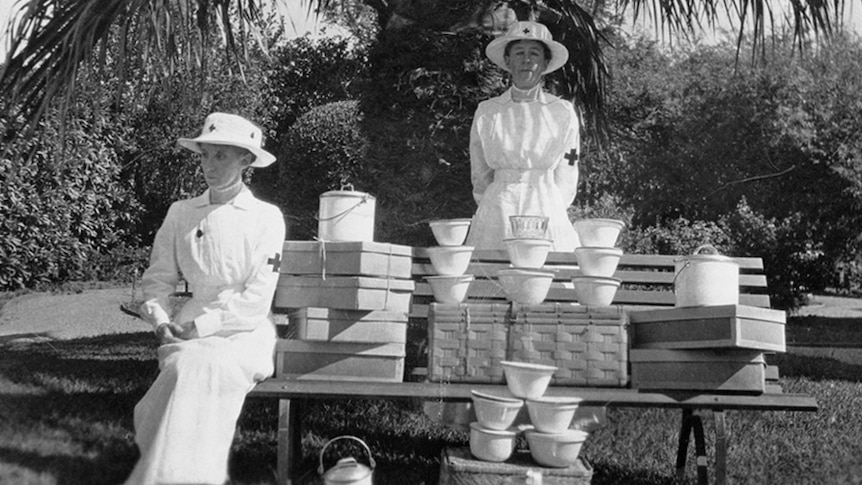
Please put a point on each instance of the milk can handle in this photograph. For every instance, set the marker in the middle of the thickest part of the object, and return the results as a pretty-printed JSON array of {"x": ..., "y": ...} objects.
[
  {"x": 362, "y": 200},
  {"x": 370, "y": 458},
  {"x": 702, "y": 249},
  {"x": 709, "y": 248}
]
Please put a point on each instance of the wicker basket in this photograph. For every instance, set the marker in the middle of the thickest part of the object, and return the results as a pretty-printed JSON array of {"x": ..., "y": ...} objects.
[
  {"x": 468, "y": 341},
  {"x": 458, "y": 467}
]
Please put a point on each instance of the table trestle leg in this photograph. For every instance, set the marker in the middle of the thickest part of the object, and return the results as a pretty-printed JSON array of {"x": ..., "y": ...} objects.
[{"x": 289, "y": 441}]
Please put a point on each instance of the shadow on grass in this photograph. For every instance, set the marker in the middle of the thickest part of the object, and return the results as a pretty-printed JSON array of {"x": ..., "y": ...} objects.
[
  {"x": 840, "y": 331},
  {"x": 815, "y": 368},
  {"x": 66, "y": 417}
]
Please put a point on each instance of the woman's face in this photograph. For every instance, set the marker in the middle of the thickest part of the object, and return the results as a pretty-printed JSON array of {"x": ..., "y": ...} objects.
[
  {"x": 222, "y": 165},
  {"x": 526, "y": 62}
]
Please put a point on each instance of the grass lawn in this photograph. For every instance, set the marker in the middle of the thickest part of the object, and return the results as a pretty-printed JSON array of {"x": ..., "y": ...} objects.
[{"x": 66, "y": 418}]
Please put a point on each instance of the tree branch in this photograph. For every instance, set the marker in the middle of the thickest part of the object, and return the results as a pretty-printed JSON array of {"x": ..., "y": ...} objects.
[{"x": 750, "y": 179}]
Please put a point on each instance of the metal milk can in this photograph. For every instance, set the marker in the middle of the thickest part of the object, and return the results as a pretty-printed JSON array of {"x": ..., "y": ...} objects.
[{"x": 706, "y": 278}]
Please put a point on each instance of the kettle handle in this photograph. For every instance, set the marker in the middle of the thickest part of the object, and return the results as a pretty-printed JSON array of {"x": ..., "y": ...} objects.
[{"x": 320, "y": 469}]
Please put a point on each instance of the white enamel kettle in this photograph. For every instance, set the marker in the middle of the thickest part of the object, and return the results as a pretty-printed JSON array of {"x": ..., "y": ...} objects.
[{"x": 347, "y": 471}]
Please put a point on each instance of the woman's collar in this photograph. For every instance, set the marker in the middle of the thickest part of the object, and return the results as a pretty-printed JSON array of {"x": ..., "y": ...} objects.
[{"x": 541, "y": 96}]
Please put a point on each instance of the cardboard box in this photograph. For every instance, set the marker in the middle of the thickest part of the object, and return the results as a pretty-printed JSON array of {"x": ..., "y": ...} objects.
[
  {"x": 348, "y": 258},
  {"x": 459, "y": 467},
  {"x": 339, "y": 361},
  {"x": 588, "y": 345},
  {"x": 698, "y": 370},
  {"x": 709, "y": 327},
  {"x": 343, "y": 292},
  {"x": 358, "y": 326}
]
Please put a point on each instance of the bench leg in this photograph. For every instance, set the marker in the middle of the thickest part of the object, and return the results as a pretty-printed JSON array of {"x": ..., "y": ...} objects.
[
  {"x": 720, "y": 447},
  {"x": 682, "y": 449},
  {"x": 289, "y": 441},
  {"x": 692, "y": 423}
]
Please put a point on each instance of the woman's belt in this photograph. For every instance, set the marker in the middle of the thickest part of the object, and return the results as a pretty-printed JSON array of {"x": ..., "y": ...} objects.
[
  {"x": 512, "y": 176},
  {"x": 211, "y": 293}
]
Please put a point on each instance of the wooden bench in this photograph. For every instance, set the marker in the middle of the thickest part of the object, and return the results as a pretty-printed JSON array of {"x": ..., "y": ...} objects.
[{"x": 647, "y": 282}]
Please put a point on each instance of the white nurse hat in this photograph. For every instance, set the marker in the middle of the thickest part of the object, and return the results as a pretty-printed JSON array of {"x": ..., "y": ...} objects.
[
  {"x": 234, "y": 130},
  {"x": 524, "y": 30}
]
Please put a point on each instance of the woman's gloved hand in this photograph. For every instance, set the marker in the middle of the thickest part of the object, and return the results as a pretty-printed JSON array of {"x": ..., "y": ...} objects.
[{"x": 170, "y": 333}]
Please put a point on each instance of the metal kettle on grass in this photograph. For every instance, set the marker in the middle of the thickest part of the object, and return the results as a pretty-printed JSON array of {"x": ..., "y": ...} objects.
[{"x": 347, "y": 471}]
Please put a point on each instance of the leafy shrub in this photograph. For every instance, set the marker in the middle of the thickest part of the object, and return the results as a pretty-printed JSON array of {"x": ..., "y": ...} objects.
[
  {"x": 306, "y": 73},
  {"x": 679, "y": 236},
  {"x": 793, "y": 259},
  {"x": 324, "y": 150},
  {"x": 60, "y": 207}
]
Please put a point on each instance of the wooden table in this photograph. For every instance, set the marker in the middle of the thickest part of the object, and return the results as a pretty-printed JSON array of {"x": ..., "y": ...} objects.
[{"x": 292, "y": 394}]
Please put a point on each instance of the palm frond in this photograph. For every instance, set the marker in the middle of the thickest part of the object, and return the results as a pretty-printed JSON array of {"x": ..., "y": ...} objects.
[
  {"x": 584, "y": 77},
  {"x": 817, "y": 17},
  {"x": 53, "y": 39}
]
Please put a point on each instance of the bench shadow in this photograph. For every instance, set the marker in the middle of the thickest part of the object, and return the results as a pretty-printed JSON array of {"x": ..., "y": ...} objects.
[
  {"x": 820, "y": 330},
  {"x": 107, "y": 468},
  {"x": 815, "y": 368}
]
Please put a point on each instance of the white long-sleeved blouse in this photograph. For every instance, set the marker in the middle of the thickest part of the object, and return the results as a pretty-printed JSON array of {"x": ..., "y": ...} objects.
[
  {"x": 524, "y": 161},
  {"x": 230, "y": 255}
]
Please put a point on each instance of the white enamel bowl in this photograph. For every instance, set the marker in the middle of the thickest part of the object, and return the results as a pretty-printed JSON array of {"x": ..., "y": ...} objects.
[
  {"x": 556, "y": 450},
  {"x": 495, "y": 412},
  {"x": 552, "y": 414},
  {"x": 598, "y": 232},
  {"x": 492, "y": 444},
  {"x": 598, "y": 261},
  {"x": 450, "y": 260},
  {"x": 529, "y": 226},
  {"x": 450, "y": 232},
  {"x": 449, "y": 289},
  {"x": 525, "y": 286},
  {"x": 527, "y": 252},
  {"x": 525, "y": 380},
  {"x": 595, "y": 290}
]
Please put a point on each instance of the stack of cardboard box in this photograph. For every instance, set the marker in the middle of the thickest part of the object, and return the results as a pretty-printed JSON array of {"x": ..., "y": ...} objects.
[
  {"x": 347, "y": 304},
  {"x": 708, "y": 348}
]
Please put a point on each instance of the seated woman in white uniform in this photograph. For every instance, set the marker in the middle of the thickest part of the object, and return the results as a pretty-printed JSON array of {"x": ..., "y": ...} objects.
[
  {"x": 524, "y": 144},
  {"x": 227, "y": 245}
]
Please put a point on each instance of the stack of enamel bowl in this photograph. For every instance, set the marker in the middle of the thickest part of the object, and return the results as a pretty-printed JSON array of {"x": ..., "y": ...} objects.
[
  {"x": 492, "y": 436},
  {"x": 551, "y": 441},
  {"x": 450, "y": 260},
  {"x": 528, "y": 249},
  {"x": 597, "y": 259}
]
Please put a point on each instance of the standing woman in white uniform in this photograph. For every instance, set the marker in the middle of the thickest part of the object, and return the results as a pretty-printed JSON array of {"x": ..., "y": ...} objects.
[
  {"x": 524, "y": 144},
  {"x": 227, "y": 244}
]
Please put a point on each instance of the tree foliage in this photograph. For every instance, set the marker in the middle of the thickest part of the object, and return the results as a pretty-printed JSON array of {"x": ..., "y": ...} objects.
[{"x": 56, "y": 218}]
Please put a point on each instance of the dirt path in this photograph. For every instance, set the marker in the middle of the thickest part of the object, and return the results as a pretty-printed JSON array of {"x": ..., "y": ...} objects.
[
  {"x": 41, "y": 316},
  {"x": 90, "y": 313}
]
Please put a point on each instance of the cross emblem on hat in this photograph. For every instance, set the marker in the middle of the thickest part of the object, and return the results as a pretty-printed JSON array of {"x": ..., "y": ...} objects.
[
  {"x": 213, "y": 127},
  {"x": 572, "y": 156},
  {"x": 526, "y": 31}
]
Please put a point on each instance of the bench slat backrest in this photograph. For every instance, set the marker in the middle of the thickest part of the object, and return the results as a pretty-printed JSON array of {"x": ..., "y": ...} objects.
[{"x": 647, "y": 280}]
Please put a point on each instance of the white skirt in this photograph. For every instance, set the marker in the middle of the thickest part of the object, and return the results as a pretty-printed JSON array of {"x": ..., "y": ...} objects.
[{"x": 185, "y": 424}]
